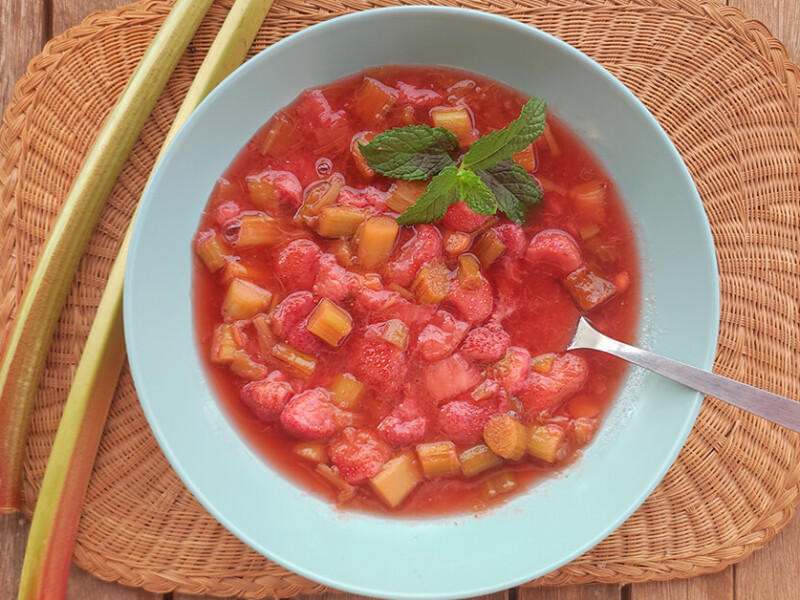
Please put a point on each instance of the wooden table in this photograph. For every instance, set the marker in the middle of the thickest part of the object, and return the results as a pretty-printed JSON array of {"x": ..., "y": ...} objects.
[{"x": 771, "y": 573}]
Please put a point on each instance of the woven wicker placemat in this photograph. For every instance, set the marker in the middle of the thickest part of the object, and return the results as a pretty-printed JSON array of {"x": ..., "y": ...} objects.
[{"x": 720, "y": 85}]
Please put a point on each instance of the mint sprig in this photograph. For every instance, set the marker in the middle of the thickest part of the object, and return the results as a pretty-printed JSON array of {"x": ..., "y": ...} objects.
[{"x": 485, "y": 178}]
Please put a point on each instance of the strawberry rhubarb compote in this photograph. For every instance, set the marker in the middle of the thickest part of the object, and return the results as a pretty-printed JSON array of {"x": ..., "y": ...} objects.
[{"x": 410, "y": 368}]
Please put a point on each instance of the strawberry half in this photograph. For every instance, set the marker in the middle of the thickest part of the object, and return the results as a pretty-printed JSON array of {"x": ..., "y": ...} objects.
[{"x": 358, "y": 454}]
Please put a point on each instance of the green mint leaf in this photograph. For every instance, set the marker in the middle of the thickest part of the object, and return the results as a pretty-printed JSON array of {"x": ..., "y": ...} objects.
[
  {"x": 503, "y": 143},
  {"x": 512, "y": 186},
  {"x": 413, "y": 152},
  {"x": 475, "y": 194},
  {"x": 441, "y": 193}
]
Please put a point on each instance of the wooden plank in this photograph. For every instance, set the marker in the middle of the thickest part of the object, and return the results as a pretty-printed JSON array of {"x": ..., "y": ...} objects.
[
  {"x": 572, "y": 592},
  {"x": 782, "y": 18},
  {"x": 22, "y": 24},
  {"x": 68, "y": 13},
  {"x": 336, "y": 596},
  {"x": 13, "y": 533},
  {"x": 718, "y": 586},
  {"x": 772, "y": 571}
]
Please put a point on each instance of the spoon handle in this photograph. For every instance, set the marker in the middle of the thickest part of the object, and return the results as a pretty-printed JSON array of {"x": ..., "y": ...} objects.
[{"x": 777, "y": 409}]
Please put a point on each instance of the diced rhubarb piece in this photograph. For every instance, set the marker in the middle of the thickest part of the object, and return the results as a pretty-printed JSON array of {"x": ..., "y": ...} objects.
[
  {"x": 423, "y": 247},
  {"x": 358, "y": 454},
  {"x": 358, "y": 159},
  {"x": 463, "y": 420},
  {"x": 545, "y": 392},
  {"x": 474, "y": 305},
  {"x": 431, "y": 283},
  {"x": 478, "y": 459},
  {"x": 404, "y": 194},
  {"x": 299, "y": 363},
  {"x": 588, "y": 289},
  {"x": 583, "y": 430},
  {"x": 213, "y": 251},
  {"x": 441, "y": 336},
  {"x": 448, "y": 378},
  {"x": 236, "y": 269},
  {"x": 333, "y": 280},
  {"x": 543, "y": 363},
  {"x": 469, "y": 272},
  {"x": 526, "y": 158},
  {"x": 486, "y": 344},
  {"x": 244, "y": 299},
  {"x": 458, "y": 91},
  {"x": 378, "y": 362},
  {"x": 548, "y": 185},
  {"x": 245, "y": 367},
  {"x": 266, "y": 398},
  {"x": 275, "y": 191},
  {"x": 545, "y": 442},
  {"x": 506, "y": 437},
  {"x": 588, "y": 231},
  {"x": 340, "y": 221},
  {"x": 330, "y": 322},
  {"x": 397, "y": 479},
  {"x": 438, "y": 459},
  {"x": 513, "y": 237},
  {"x": 404, "y": 293},
  {"x": 297, "y": 264},
  {"x": 276, "y": 136},
  {"x": 309, "y": 415},
  {"x": 256, "y": 229},
  {"x": 551, "y": 142},
  {"x": 341, "y": 250},
  {"x": 344, "y": 490},
  {"x": 373, "y": 100},
  {"x": 589, "y": 200},
  {"x": 499, "y": 484},
  {"x": 395, "y": 332},
  {"x": 554, "y": 252},
  {"x": 408, "y": 94},
  {"x": 456, "y": 120},
  {"x": 583, "y": 405},
  {"x": 346, "y": 391},
  {"x": 376, "y": 241},
  {"x": 407, "y": 424},
  {"x": 320, "y": 194},
  {"x": 488, "y": 248},
  {"x": 223, "y": 344},
  {"x": 456, "y": 243},
  {"x": 460, "y": 217},
  {"x": 512, "y": 370},
  {"x": 311, "y": 451}
]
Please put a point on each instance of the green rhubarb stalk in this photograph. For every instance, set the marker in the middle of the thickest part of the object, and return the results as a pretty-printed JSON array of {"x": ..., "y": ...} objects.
[
  {"x": 55, "y": 521},
  {"x": 44, "y": 297}
]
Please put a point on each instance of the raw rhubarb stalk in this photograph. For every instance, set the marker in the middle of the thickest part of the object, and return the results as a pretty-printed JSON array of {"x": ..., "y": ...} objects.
[
  {"x": 55, "y": 523},
  {"x": 37, "y": 315}
]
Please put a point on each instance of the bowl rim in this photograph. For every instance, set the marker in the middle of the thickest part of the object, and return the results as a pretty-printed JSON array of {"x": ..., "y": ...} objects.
[{"x": 243, "y": 72}]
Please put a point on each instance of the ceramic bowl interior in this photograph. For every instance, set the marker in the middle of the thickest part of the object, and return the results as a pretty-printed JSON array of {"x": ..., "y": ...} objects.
[{"x": 454, "y": 556}]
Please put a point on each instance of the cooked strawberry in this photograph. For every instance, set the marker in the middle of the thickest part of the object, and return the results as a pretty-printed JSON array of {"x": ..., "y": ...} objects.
[
  {"x": 301, "y": 338},
  {"x": 333, "y": 280},
  {"x": 310, "y": 415},
  {"x": 373, "y": 306},
  {"x": 363, "y": 198},
  {"x": 474, "y": 305},
  {"x": 545, "y": 391},
  {"x": 441, "y": 336},
  {"x": 486, "y": 344},
  {"x": 408, "y": 94},
  {"x": 513, "y": 237},
  {"x": 460, "y": 217},
  {"x": 379, "y": 363},
  {"x": 292, "y": 310},
  {"x": 462, "y": 421},
  {"x": 267, "y": 398},
  {"x": 297, "y": 264},
  {"x": 358, "y": 454},
  {"x": 555, "y": 252},
  {"x": 512, "y": 370},
  {"x": 407, "y": 424},
  {"x": 448, "y": 378},
  {"x": 321, "y": 123},
  {"x": 226, "y": 211},
  {"x": 425, "y": 246}
]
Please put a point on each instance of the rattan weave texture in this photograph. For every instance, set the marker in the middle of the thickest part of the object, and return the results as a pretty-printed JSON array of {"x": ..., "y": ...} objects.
[{"x": 721, "y": 86}]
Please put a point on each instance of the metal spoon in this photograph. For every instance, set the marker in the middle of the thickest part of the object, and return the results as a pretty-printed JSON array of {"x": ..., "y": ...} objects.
[{"x": 777, "y": 409}]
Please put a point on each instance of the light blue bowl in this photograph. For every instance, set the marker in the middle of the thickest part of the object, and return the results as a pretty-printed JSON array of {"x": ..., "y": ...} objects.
[{"x": 454, "y": 556}]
